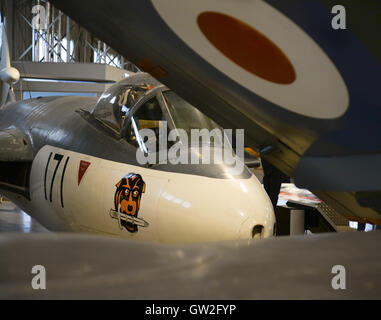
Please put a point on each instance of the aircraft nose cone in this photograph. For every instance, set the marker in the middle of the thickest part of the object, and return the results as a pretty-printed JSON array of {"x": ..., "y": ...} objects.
[
  {"x": 255, "y": 209},
  {"x": 201, "y": 209}
]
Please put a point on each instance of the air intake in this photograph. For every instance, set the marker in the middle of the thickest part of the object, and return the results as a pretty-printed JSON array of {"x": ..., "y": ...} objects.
[{"x": 257, "y": 231}]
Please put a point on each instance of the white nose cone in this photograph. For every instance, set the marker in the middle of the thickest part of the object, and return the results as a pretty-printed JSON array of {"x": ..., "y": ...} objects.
[
  {"x": 256, "y": 206},
  {"x": 201, "y": 209}
]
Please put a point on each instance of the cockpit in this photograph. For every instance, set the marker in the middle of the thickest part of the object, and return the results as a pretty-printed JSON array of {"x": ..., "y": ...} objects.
[
  {"x": 140, "y": 102},
  {"x": 143, "y": 103},
  {"x": 114, "y": 105}
]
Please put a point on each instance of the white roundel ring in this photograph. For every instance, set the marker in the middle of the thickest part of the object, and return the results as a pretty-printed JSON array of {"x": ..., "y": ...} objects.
[{"x": 261, "y": 49}]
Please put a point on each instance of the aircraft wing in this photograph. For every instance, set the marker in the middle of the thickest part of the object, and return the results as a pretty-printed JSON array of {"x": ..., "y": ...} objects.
[
  {"x": 306, "y": 94},
  {"x": 90, "y": 267}
]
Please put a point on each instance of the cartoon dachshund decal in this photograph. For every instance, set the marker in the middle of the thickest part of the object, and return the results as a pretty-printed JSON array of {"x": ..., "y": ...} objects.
[{"x": 127, "y": 202}]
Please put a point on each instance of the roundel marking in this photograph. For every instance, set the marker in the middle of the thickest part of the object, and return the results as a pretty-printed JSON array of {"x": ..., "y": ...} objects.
[
  {"x": 306, "y": 82},
  {"x": 247, "y": 47}
]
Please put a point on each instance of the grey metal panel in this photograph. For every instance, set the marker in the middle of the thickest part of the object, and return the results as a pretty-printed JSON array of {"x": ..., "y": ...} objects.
[
  {"x": 207, "y": 170},
  {"x": 332, "y": 172},
  {"x": 57, "y": 122},
  {"x": 70, "y": 71},
  {"x": 89, "y": 267},
  {"x": 43, "y": 86},
  {"x": 14, "y": 146},
  {"x": 332, "y": 216},
  {"x": 78, "y": 77}
]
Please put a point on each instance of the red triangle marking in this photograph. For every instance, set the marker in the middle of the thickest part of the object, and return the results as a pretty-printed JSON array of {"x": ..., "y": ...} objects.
[{"x": 83, "y": 165}]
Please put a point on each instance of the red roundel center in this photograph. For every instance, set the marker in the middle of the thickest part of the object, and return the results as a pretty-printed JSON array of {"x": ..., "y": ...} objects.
[{"x": 247, "y": 47}]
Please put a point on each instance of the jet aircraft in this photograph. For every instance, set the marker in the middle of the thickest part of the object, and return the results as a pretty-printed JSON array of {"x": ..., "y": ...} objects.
[{"x": 71, "y": 163}]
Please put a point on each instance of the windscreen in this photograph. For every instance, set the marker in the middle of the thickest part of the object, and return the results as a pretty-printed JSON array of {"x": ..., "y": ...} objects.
[
  {"x": 185, "y": 115},
  {"x": 113, "y": 106}
]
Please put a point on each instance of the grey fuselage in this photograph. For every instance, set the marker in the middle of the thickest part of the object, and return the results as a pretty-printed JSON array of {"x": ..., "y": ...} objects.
[{"x": 68, "y": 123}]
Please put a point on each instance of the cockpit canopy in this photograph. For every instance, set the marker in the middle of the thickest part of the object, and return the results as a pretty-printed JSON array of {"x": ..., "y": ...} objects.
[
  {"x": 115, "y": 103},
  {"x": 147, "y": 104}
]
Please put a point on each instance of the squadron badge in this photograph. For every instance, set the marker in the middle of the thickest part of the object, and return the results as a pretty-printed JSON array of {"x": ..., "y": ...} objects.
[{"x": 127, "y": 202}]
